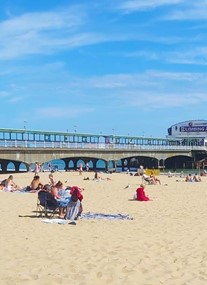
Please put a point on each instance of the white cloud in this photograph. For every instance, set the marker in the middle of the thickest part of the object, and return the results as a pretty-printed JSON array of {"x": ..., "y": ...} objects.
[
  {"x": 195, "y": 56},
  {"x": 35, "y": 33},
  {"x": 154, "y": 100},
  {"x": 136, "y": 5},
  {"x": 42, "y": 21},
  {"x": 180, "y": 9},
  {"x": 191, "y": 11},
  {"x": 152, "y": 89}
]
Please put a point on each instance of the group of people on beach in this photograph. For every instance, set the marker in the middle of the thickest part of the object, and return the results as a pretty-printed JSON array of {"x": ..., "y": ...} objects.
[
  {"x": 68, "y": 198},
  {"x": 193, "y": 178}
]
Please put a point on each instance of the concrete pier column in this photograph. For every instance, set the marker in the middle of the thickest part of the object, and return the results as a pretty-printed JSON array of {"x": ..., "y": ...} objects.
[
  {"x": 66, "y": 160},
  {"x": 94, "y": 161},
  {"x": 114, "y": 165},
  {"x": 17, "y": 166},
  {"x": 128, "y": 163},
  {"x": 161, "y": 164},
  {"x": 75, "y": 161},
  {"x": 122, "y": 164},
  {"x": 4, "y": 166}
]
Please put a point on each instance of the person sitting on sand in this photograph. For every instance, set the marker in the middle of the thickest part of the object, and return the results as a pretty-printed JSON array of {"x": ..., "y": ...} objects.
[
  {"x": 196, "y": 178},
  {"x": 140, "y": 194},
  {"x": 155, "y": 179},
  {"x": 97, "y": 176},
  {"x": 78, "y": 192},
  {"x": 74, "y": 207},
  {"x": 9, "y": 184},
  {"x": 189, "y": 178},
  {"x": 52, "y": 181},
  {"x": 35, "y": 186}
]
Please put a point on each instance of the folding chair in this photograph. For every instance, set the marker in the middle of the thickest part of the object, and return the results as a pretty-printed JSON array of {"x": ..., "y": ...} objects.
[{"x": 47, "y": 205}]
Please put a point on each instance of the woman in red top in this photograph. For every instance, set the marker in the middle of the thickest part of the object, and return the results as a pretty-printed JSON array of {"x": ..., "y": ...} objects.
[
  {"x": 77, "y": 191},
  {"x": 74, "y": 207},
  {"x": 141, "y": 196}
]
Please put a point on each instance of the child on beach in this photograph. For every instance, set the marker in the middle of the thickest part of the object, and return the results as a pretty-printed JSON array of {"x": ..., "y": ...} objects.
[{"x": 140, "y": 194}]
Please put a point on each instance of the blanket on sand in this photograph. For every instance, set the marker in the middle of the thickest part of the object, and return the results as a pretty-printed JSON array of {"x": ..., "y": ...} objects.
[{"x": 89, "y": 216}]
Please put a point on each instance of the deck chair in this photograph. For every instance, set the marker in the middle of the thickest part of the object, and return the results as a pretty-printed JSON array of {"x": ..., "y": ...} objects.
[{"x": 47, "y": 205}]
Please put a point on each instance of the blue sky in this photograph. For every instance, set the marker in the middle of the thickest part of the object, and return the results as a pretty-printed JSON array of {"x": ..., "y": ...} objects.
[{"x": 126, "y": 67}]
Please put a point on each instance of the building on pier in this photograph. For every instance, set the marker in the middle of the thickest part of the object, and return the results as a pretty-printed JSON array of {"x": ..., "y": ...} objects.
[{"x": 193, "y": 132}]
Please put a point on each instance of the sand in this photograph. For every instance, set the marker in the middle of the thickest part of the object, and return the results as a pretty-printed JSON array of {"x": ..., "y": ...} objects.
[{"x": 165, "y": 243}]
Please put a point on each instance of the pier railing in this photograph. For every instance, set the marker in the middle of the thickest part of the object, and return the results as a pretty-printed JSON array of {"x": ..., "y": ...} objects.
[{"x": 81, "y": 145}]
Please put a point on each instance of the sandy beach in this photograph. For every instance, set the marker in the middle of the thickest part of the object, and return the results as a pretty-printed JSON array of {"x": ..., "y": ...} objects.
[{"x": 165, "y": 243}]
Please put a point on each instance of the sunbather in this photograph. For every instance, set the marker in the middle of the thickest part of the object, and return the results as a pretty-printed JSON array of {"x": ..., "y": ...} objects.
[
  {"x": 35, "y": 185},
  {"x": 150, "y": 180}
]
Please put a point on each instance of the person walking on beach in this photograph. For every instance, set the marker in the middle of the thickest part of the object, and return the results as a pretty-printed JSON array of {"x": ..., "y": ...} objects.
[
  {"x": 49, "y": 166},
  {"x": 37, "y": 168},
  {"x": 80, "y": 169},
  {"x": 87, "y": 166}
]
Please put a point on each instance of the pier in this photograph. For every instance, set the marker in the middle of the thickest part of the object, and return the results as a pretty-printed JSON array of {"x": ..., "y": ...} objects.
[{"x": 25, "y": 147}]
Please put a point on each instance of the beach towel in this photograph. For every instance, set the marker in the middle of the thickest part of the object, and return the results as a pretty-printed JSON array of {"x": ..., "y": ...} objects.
[
  {"x": 89, "y": 216},
  {"x": 54, "y": 221},
  {"x": 100, "y": 216}
]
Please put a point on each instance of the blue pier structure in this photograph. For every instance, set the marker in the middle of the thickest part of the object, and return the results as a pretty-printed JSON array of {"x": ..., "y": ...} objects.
[{"x": 25, "y": 147}]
